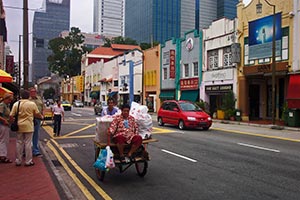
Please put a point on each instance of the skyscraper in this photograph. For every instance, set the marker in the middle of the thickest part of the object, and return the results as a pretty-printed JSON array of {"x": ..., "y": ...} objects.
[
  {"x": 226, "y": 8},
  {"x": 109, "y": 17},
  {"x": 46, "y": 26},
  {"x": 157, "y": 20}
]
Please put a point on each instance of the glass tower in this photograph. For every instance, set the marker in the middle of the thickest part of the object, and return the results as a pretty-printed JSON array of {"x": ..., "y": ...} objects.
[
  {"x": 46, "y": 26},
  {"x": 160, "y": 20}
]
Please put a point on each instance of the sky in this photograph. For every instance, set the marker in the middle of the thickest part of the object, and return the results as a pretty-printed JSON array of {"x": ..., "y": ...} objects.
[{"x": 81, "y": 16}]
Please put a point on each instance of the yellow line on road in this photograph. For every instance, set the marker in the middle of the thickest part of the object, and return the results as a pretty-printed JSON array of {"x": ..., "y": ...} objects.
[
  {"x": 69, "y": 171},
  {"x": 255, "y": 134},
  {"x": 82, "y": 129},
  {"x": 161, "y": 130},
  {"x": 87, "y": 178}
]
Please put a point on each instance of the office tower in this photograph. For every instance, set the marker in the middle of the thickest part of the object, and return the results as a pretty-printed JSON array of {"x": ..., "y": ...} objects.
[
  {"x": 109, "y": 17},
  {"x": 156, "y": 20},
  {"x": 46, "y": 26},
  {"x": 227, "y": 8}
]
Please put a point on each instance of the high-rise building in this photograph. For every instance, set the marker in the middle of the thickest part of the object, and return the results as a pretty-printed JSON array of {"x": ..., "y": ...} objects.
[
  {"x": 109, "y": 17},
  {"x": 156, "y": 20},
  {"x": 46, "y": 26},
  {"x": 227, "y": 8}
]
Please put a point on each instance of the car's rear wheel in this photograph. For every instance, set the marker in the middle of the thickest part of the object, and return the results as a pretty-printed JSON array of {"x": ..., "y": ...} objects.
[
  {"x": 160, "y": 121},
  {"x": 181, "y": 125},
  {"x": 205, "y": 128}
]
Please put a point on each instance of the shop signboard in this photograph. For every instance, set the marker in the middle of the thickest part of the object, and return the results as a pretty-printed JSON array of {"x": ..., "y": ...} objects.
[{"x": 189, "y": 84}]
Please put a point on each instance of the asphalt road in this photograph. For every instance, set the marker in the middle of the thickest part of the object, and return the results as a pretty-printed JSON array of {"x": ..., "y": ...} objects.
[{"x": 190, "y": 164}]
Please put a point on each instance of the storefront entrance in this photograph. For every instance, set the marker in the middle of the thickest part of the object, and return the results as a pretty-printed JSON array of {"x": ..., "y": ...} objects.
[{"x": 254, "y": 102}]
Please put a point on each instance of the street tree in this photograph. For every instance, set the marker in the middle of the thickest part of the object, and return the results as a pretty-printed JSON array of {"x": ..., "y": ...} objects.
[
  {"x": 66, "y": 53},
  {"x": 119, "y": 40},
  {"x": 49, "y": 93}
]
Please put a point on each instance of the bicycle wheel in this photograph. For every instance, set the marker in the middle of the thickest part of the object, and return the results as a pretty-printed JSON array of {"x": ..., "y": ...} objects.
[{"x": 141, "y": 168}]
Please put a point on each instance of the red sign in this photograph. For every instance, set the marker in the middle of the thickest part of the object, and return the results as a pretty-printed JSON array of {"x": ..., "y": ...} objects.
[
  {"x": 10, "y": 64},
  {"x": 189, "y": 84},
  {"x": 172, "y": 63}
]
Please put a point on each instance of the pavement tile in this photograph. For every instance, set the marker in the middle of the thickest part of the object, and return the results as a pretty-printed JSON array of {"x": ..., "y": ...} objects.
[{"x": 26, "y": 182}]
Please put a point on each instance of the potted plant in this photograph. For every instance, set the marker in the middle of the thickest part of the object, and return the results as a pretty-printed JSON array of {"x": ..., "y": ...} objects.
[{"x": 228, "y": 105}]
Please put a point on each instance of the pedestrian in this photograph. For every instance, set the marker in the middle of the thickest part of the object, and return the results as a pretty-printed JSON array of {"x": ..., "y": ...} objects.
[
  {"x": 37, "y": 122},
  {"x": 4, "y": 127},
  {"x": 27, "y": 110},
  {"x": 110, "y": 110},
  {"x": 58, "y": 113}
]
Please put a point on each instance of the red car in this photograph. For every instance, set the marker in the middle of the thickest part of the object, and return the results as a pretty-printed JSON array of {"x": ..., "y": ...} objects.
[{"x": 183, "y": 114}]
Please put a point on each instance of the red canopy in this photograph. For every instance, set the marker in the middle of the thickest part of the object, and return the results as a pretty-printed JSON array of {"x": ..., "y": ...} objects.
[{"x": 293, "y": 93}]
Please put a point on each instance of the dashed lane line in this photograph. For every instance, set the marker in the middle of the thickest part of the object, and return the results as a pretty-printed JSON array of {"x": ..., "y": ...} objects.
[{"x": 255, "y": 134}]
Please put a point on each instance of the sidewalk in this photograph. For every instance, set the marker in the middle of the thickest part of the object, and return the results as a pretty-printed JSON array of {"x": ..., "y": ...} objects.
[{"x": 26, "y": 182}]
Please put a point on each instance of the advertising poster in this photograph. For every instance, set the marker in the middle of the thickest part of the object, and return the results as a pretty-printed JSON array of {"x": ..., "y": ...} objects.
[{"x": 261, "y": 36}]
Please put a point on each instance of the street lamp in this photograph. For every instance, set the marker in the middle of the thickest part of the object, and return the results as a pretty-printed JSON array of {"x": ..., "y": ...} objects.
[{"x": 259, "y": 11}]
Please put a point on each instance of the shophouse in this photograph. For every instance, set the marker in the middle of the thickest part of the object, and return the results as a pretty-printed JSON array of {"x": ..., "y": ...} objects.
[
  {"x": 92, "y": 64},
  {"x": 169, "y": 72},
  {"x": 130, "y": 68},
  {"x": 71, "y": 88},
  {"x": 219, "y": 69},
  {"x": 109, "y": 80},
  {"x": 152, "y": 78},
  {"x": 266, "y": 57},
  {"x": 190, "y": 73},
  {"x": 91, "y": 82}
]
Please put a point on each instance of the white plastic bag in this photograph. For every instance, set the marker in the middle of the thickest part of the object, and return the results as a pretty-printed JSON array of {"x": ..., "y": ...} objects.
[{"x": 109, "y": 158}]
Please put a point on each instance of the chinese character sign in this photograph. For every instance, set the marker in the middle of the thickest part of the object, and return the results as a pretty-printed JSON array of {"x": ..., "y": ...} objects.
[{"x": 172, "y": 63}]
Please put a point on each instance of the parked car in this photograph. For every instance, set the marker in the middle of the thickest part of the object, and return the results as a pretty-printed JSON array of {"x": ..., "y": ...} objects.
[
  {"x": 77, "y": 103},
  {"x": 183, "y": 114},
  {"x": 66, "y": 104}
]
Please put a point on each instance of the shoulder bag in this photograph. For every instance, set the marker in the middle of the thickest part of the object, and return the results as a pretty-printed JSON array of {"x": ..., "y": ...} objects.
[{"x": 14, "y": 126}]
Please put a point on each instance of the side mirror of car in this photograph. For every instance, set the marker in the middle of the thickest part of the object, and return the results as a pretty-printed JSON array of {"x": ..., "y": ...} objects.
[{"x": 175, "y": 109}]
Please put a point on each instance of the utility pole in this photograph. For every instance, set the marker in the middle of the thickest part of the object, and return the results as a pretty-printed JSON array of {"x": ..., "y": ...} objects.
[{"x": 25, "y": 43}]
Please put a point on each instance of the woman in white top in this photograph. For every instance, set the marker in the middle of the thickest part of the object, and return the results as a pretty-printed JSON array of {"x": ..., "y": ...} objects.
[{"x": 58, "y": 115}]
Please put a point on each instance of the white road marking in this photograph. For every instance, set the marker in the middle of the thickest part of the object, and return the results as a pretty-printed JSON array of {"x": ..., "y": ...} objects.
[
  {"x": 180, "y": 156},
  {"x": 257, "y": 147},
  {"x": 78, "y": 115}
]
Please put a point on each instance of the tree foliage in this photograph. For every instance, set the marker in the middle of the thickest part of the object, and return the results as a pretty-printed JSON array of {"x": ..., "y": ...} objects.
[
  {"x": 66, "y": 53},
  {"x": 129, "y": 41},
  {"x": 49, "y": 93},
  {"x": 119, "y": 40}
]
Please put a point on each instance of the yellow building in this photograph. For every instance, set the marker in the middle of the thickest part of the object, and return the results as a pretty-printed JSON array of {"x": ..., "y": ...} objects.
[
  {"x": 151, "y": 78},
  {"x": 72, "y": 88},
  {"x": 258, "y": 83}
]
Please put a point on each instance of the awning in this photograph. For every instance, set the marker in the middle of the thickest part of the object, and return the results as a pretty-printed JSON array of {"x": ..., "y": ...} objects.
[
  {"x": 190, "y": 95},
  {"x": 167, "y": 95},
  {"x": 4, "y": 90},
  {"x": 94, "y": 94},
  {"x": 5, "y": 77},
  {"x": 12, "y": 87},
  {"x": 112, "y": 93},
  {"x": 293, "y": 93},
  {"x": 96, "y": 88}
]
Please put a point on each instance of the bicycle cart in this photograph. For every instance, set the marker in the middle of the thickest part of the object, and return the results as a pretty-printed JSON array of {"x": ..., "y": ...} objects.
[{"x": 140, "y": 160}]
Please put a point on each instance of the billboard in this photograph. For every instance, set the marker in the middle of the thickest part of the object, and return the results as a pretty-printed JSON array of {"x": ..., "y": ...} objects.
[{"x": 261, "y": 36}]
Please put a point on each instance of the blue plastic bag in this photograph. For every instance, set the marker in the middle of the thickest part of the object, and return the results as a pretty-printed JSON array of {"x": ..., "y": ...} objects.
[{"x": 100, "y": 162}]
